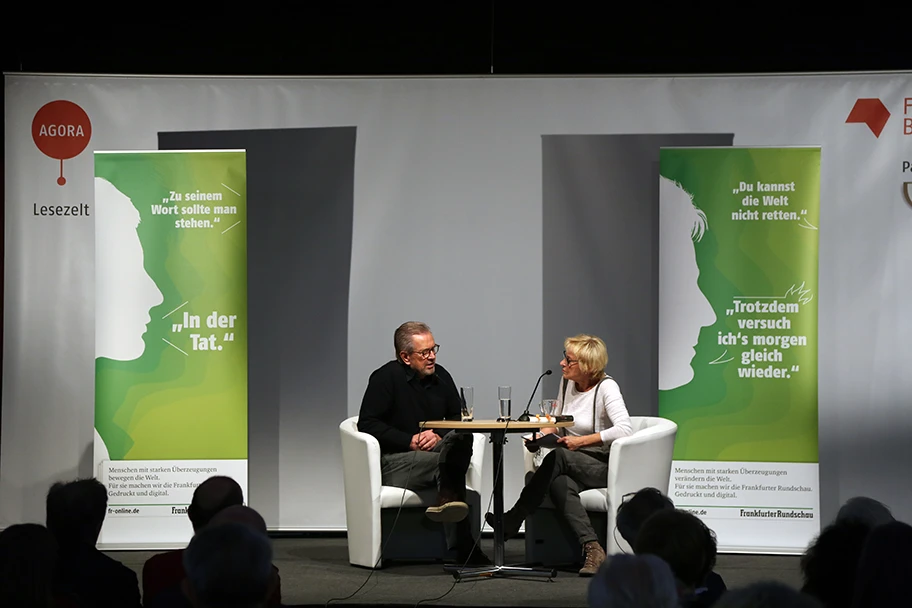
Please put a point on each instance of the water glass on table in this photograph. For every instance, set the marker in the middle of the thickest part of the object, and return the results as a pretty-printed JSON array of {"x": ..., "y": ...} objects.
[
  {"x": 548, "y": 409},
  {"x": 467, "y": 396},
  {"x": 503, "y": 394}
]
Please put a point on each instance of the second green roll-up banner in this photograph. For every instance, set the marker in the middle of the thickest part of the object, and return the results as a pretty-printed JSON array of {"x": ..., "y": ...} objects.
[
  {"x": 170, "y": 335},
  {"x": 738, "y": 340}
]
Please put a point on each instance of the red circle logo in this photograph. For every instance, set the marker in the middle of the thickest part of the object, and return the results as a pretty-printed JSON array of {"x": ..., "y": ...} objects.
[{"x": 61, "y": 130}]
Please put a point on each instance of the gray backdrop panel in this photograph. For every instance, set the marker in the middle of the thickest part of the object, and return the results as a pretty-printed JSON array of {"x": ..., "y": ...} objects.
[{"x": 300, "y": 186}]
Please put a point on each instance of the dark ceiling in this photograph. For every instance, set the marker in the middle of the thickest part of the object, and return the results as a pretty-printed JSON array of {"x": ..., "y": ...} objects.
[{"x": 464, "y": 38}]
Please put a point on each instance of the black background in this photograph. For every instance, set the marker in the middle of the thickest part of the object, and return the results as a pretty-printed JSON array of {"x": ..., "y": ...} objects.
[{"x": 454, "y": 38}]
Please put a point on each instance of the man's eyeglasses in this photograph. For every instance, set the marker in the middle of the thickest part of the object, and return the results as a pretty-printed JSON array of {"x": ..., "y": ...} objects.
[
  {"x": 569, "y": 360},
  {"x": 424, "y": 354}
]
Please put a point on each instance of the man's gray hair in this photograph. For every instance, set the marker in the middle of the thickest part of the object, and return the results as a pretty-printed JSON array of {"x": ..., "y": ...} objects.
[
  {"x": 402, "y": 339},
  {"x": 229, "y": 565}
]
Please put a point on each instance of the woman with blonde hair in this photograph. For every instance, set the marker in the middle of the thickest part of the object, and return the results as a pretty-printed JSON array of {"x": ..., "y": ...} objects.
[{"x": 580, "y": 463}]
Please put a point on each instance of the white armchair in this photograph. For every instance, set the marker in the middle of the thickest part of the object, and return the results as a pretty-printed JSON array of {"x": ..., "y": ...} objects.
[
  {"x": 641, "y": 460},
  {"x": 371, "y": 508}
]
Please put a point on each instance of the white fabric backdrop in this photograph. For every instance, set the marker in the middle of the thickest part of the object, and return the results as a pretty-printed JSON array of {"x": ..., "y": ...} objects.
[{"x": 447, "y": 229}]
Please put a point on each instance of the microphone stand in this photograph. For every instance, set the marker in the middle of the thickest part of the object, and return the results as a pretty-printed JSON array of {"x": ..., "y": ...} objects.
[{"x": 524, "y": 417}]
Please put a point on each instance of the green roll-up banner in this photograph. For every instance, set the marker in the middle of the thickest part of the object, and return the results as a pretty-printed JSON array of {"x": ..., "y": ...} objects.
[
  {"x": 738, "y": 339},
  {"x": 170, "y": 335}
]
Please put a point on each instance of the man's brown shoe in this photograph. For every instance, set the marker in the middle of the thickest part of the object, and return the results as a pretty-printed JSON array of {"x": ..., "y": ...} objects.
[
  {"x": 595, "y": 555},
  {"x": 448, "y": 512}
]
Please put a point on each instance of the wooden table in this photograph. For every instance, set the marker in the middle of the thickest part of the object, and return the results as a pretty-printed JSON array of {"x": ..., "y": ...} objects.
[{"x": 498, "y": 430}]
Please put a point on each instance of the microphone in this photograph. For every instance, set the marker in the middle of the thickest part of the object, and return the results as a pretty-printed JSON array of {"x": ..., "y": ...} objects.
[{"x": 524, "y": 417}]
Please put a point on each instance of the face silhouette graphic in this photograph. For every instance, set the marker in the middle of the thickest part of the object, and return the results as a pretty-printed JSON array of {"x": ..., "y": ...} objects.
[
  {"x": 683, "y": 309},
  {"x": 124, "y": 292}
]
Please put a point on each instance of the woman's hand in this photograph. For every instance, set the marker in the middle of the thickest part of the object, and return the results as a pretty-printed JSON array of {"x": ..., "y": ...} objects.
[
  {"x": 532, "y": 447},
  {"x": 572, "y": 442}
]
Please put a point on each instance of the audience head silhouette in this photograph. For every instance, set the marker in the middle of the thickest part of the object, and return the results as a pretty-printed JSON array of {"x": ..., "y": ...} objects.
[
  {"x": 217, "y": 502},
  {"x": 882, "y": 576},
  {"x": 240, "y": 514},
  {"x": 636, "y": 508},
  {"x": 212, "y": 496},
  {"x": 633, "y": 581},
  {"x": 766, "y": 595},
  {"x": 830, "y": 562},
  {"x": 866, "y": 510},
  {"x": 28, "y": 556},
  {"x": 229, "y": 564},
  {"x": 683, "y": 541},
  {"x": 75, "y": 511}
]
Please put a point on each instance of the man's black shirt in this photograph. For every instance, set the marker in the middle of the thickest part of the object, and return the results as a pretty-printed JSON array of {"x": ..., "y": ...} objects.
[{"x": 397, "y": 399}]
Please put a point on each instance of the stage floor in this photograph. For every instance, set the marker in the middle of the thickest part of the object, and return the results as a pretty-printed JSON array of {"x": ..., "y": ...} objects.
[{"x": 315, "y": 570}]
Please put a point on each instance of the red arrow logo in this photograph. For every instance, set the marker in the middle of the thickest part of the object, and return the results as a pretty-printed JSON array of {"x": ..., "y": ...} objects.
[{"x": 872, "y": 112}]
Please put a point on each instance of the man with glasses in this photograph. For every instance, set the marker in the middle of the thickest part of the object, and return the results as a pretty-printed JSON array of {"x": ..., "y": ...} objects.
[{"x": 402, "y": 393}]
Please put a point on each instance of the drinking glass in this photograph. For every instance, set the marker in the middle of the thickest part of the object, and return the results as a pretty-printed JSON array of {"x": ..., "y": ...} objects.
[
  {"x": 548, "y": 407},
  {"x": 468, "y": 403},
  {"x": 503, "y": 393}
]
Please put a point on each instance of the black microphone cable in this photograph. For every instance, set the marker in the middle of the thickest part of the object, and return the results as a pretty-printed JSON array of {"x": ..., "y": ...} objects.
[
  {"x": 456, "y": 581},
  {"x": 388, "y": 537},
  {"x": 497, "y": 470},
  {"x": 477, "y": 540}
]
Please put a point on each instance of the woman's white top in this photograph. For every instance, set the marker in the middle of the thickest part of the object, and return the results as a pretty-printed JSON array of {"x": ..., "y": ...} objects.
[{"x": 611, "y": 420}]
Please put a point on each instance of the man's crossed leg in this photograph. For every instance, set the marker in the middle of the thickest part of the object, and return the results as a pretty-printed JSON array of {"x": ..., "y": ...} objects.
[{"x": 444, "y": 468}]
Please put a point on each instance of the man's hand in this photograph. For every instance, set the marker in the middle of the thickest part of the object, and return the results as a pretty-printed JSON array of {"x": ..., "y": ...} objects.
[
  {"x": 427, "y": 440},
  {"x": 413, "y": 444},
  {"x": 547, "y": 431}
]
